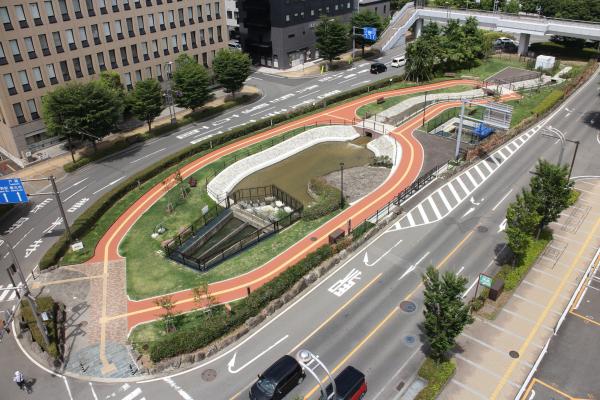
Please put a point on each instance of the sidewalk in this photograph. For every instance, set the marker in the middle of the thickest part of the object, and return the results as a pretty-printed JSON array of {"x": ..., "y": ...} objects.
[{"x": 495, "y": 356}]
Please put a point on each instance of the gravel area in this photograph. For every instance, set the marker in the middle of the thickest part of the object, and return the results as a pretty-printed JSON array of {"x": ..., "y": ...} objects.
[{"x": 358, "y": 181}]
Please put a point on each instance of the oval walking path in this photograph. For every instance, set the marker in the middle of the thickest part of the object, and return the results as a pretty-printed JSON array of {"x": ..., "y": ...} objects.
[{"x": 236, "y": 288}]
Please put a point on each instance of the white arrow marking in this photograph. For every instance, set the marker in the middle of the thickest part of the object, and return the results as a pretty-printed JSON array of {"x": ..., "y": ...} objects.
[
  {"x": 414, "y": 266},
  {"x": 469, "y": 211},
  {"x": 475, "y": 203},
  {"x": 110, "y": 184},
  {"x": 77, "y": 183},
  {"x": 232, "y": 361},
  {"x": 366, "y": 259},
  {"x": 460, "y": 270},
  {"x": 532, "y": 394},
  {"x": 502, "y": 226}
]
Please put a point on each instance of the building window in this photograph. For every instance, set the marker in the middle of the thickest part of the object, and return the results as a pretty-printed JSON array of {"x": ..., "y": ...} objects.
[
  {"x": 14, "y": 47},
  {"x": 211, "y": 35},
  {"x": 138, "y": 75},
  {"x": 101, "y": 62},
  {"x": 90, "y": 8},
  {"x": 151, "y": 23},
  {"x": 119, "y": 29},
  {"x": 219, "y": 34},
  {"x": 33, "y": 109},
  {"x": 95, "y": 34},
  {"x": 106, "y": 29},
  {"x": 181, "y": 17},
  {"x": 44, "y": 44},
  {"x": 126, "y": 5},
  {"x": 145, "y": 51},
  {"x": 171, "y": 16},
  {"x": 129, "y": 23},
  {"x": 127, "y": 77},
  {"x": 184, "y": 41},
  {"x": 115, "y": 5},
  {"x": 64, "y": 69},
  {"x": 70, "y": 39},
  {"x": 174, "y": 43},
  {"x": 83, "y": 36},
  {"x": 205, "y": 59},
  {"x": 193, "y": 38},
  {"x": 159, "y": 72},
  {"x": 137, "y": 3},
  {"x": 50, "y": 11},
  {"x": 229, "y": 14},
  {"x": 10, "y": 84},
  {"x": 89, "y": 65},
  {"x": 113, "y": 59},
  {"x": 165, "y": 46},
  {"x": 35, "y": 13},
  {"x": 161, "y": 20},
  {"x": 19, "y": 113},
  {"x": 348, "y": 6},
  {"x": 57, "y": 42},
  {"x": 287, "y": 17},
  {"x": 217, "y": 10},
  {"x": 190, "y": 12},
  {"x": 62, "y": 6},
  {"x": 5, "y": 18},
  {"x": 102, "y": 4},
  {"x": 21, "y": 16},
  {"x": 77, "y": 67},
  {"x": 3, "y": 60},
  {"x": 148, "y": 72},
  {"x": 77, "y": 9},
  {"x": 123, "y": 52},
  {"x": 37, "y": 75},
  {"x": 140, "y": 22},
  {"x": 155, "y": 48},
  {"x": 199, "y": 11},
  {"x": 30, "y": 48},
  {"x": 208, "y": 12},
  {"x": 51, "y": 73},
  {"x": 24, "y": 81},
  {"x": 202, "y": 38},
  {"x": 134, "y": 54}
]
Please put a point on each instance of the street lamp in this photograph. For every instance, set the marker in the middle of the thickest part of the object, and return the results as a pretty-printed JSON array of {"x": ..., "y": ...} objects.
[
  {"x": 342, "y": 185},
  {"x": 425, "y": 108},
  {"x": 306, "y": 359}
]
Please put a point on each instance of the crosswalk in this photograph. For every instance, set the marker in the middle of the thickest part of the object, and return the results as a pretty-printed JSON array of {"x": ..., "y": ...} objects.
[
  {"x": 8, "y": 293},
  {"x": 445, "y": 199}
]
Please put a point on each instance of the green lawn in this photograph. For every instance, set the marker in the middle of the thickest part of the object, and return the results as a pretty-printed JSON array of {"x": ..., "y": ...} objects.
[
  {"x": 436, "y": 375},
  {"x": 523, "y": 108},
  {"x": 374, "y": 108},
  {"x": 491, "y": 66}
]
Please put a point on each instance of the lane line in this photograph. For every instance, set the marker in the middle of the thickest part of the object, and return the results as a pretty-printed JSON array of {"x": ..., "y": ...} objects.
[
  {"x": 6, "y": 291},
  {"x": 69, "y": 198},
  {"x": 502, "y": 200},
  {"x": 178, "y": 389},
  {"x": 133, "y": 394},
  {"x": 148, "y": 155},
  {"x": 93, "y": 391},
  {"x": 24, "y": 236},
  {"x": 68, "y": 388}
]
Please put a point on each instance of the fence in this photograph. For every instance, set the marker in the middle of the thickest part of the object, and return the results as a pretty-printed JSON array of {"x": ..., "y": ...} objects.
[
  {"x": 261, "y": 193},
  {"x": 191, "y": 230},
  {"x": 399, "y": 199}
]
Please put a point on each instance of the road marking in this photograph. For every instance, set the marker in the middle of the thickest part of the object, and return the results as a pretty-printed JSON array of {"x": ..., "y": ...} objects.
[
  {"x": 545, "y": 312},
  {"x": 504, "y": 157},
  {"x": 93, "y": 391},
  {"x": 148, "y": 155},
  {"x": 20, "y": 240},
  {"x": 469, "y": 211},
  {"x": 57, "y": 222},
  {"x": 68, "y": 388},
  {"x": 19, "y": 223},
  {"x": 347, "y": 77},
  {"x": 422, "y": 212},
  {"x": 502, "y": 226},
  {"x": 480, "y": 172},
  {"x": 74, "y": 194},
  {"x": 502, "y": 200},
  {"x": 133, "y": 394},
  {"x": 366, "y": 258},
  {"x": 410, "y": 218},
  {"x": 462, "y": 185},
  {"x": 110, "y": 184},
  {"x": 38, "y": 207},
  {"x": 434, "y": 208},
  {"x": 473, "y": 181},
  {"x": 363, "y": 71},
  {"x": 78, "y": 205},
  {"x": 456, "y": 196},
  {"x": 460, "y": 270},
  {"x": 231, "y": 362},
  {"x": 262, "y": 111},
  {"x": 444, "y": 200},
  {"x": 75, "y": 184},
  {"x": 308, "y": 94},
  {"x": 178, "y": 389},
  {"x": 346, "y": 283},
  {"x": 414, "y": 266},
  {"x": 32, "y": 247},
  {"x": 360, "y": 83}
]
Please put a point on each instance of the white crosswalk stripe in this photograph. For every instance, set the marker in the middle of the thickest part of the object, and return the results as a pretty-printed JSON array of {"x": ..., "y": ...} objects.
[
  {"x": 441, "y": 205},
  {"x": 7, "y": 293},
  {"x": 133, "y": 394}
]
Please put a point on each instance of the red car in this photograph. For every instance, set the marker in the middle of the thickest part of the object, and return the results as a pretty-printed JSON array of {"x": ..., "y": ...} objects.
[{"x": 350, "y": 384}]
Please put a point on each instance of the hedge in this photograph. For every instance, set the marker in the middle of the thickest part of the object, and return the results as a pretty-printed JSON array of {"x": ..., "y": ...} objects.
[
  {"x": 327, "y": 202},
  {"x": 44, "y": 304},
  {"x": 545, "y": 105},
  {"x": 186, "y": 341},
  {"x": 437, "y": 375},
  {"x": 87, "y": 219}
]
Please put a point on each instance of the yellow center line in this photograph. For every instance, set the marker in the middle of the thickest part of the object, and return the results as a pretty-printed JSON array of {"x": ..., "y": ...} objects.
[{"x": 544, "y": 314}]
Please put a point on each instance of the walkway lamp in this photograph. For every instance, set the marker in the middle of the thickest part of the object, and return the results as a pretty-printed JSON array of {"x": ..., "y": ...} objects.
[
  {"x": 342, "y": 185},
  {"x": 307, "y": 359}
]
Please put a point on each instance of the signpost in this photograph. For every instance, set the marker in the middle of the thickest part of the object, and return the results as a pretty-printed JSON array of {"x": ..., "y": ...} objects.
[
  {"x": 370, "y": 33},
  {"x": 12, "y": 191},
  {"x": 485, "y": 281}
]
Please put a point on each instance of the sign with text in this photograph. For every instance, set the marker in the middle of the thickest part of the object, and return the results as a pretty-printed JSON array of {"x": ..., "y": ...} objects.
[
  {"x": 370, "y": 33},
  {"x": 485, "y": 281},
  {"x": 12, "y": 191}
]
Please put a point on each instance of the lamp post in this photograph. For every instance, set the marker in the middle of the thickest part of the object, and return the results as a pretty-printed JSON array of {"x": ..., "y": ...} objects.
[
  {"x": 574, "y": 155},
  {"x": 342, "y": 185},
  {"x": 306, "y": 359},
  {"x": 424, "y": 108}
]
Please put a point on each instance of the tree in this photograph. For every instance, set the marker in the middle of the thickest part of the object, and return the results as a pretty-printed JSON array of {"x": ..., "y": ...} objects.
[
  {"x": 332, "y": 38},
  {"x": 421, "y": 59},
  {"x": 231, "y": 68},
  {"x": 512, "y": 6},
  {"x": 146, "y": 101},
  {"x": 518, "y": 243},
  {"x": 203, "y": 298},
  {"x": 396, "y": 5},
  {"x": 91, "y": 108},
  {"x": 112, "y": 79},
  {"x": 168, "y": 316},
  {"x": 365, "y": 18},
  {"x": 445, "y": 313},
  {"x": 190, "y": 83},
  {"x": 523, "y": 214},
  {"x": 552, "y": 189}
]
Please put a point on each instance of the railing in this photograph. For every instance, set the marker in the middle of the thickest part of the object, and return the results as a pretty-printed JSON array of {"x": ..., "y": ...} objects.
[
  {"x": 191, "y": 230},
  {"x": 261, "y": 193}
]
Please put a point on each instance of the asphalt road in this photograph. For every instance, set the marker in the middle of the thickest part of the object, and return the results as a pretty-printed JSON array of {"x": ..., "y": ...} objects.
[{"x": 349, "y": 318}]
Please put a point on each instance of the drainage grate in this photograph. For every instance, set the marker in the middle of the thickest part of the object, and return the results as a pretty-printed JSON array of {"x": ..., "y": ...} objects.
[
  {"x": 513, "y": 354},
  {"x": 482, "y": 229},
  {"x": 209, "y": 375},
  {"x": 410, "y": 340},
  {"x": 400, "y": 386},
  {"x": 408, "y": 306}
]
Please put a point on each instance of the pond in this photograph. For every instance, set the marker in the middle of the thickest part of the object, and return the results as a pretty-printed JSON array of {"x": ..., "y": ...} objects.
[{"x": 293, "y": 174}]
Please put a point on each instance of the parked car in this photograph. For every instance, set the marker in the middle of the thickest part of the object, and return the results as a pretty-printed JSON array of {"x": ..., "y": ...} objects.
[
  {"x": 377, "y": 68},
  {"x": 235, "y": 45},
  {"x": 398, "y": 62},
  {"x": 506, "y": 44},
  {"x": 278, "y": 380},
  {"x": 350, "y": 384}
]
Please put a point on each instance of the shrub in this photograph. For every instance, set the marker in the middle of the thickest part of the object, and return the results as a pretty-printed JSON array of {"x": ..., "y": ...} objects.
[
  {"x": 382, "y": 161},
  {"x": 437, "y": 375},
  {"x": 362, "y": 229},
  {"x": 328, "y": 199},
  {"x": 188, "y": 340},
  {"x": 44, "y": 304},
  {"x": 554, "y": 97}
]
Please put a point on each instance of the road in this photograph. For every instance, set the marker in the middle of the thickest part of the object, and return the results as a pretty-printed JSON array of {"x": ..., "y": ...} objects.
[
  {"x": 34, "y": 228},
  {"x": 351, "y": 318}
]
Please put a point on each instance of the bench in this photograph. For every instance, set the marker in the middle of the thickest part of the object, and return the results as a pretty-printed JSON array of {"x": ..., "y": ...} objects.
[
  {"x": 336, "y": 235},
  {"x": 381, "y": 100}
]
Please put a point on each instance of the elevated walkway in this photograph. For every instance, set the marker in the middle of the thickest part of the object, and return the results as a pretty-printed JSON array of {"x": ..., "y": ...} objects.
[{"x": 523, "y": 25}]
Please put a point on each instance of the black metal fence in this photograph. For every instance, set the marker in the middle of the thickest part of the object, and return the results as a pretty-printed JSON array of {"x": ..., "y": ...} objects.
[
  {"x": 263, "y": 192},
  {"x": 191, "y": 230}
]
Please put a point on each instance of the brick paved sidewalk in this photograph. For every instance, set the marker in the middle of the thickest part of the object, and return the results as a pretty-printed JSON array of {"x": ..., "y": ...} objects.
[{"x": 486, "y": 369}]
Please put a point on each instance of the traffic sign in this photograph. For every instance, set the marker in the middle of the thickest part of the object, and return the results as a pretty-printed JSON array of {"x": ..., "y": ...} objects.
[
  {"x": 370, "y": 33},
  {"x": 485, "y": 280},
  {"x": 12, "y": 191}
]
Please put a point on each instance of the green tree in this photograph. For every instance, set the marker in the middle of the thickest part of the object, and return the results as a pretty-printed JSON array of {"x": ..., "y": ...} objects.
[
  {"x": 231, "y": 68},
  {"x": 552, "y": 189},
  {"x": 421, "y": 59},
  {"x": 518, "y": 243},
  {"x": 190, "y": 83},
  {"x": 365, "y": 18},
  {"x": 91, "y": 108},
  {"x": 445, "y": 313},
  {"x": 512, "y": 6},
  {"x": 146, "y": 101},
  {"x": 522, "y": 214},
  {"x": 169, "y": 315},
  {"x": 396, "y": 5},
  {"x": 332, "y": 38},
  {"x": 112, "y": 79}
]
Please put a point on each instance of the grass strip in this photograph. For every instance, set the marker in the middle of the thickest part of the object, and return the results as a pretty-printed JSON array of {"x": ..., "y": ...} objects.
[{"x": 437, "y": 376}]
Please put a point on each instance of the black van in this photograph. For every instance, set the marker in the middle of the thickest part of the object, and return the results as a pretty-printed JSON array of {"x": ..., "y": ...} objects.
[
  {"x": 350, "y": 384},
  {"x": 376, "y": 68},
  {"x": 278, "y": 380}
]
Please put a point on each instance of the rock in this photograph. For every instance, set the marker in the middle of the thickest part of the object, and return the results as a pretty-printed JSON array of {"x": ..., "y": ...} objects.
[{"x": 279, "y": 204}]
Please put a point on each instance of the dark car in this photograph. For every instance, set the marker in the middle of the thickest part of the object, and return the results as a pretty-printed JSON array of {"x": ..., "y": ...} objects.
[
  {"x": 278, "y": 380},
  {"x": 350, "y": 384},
  {"x": 377, "y": 68}
]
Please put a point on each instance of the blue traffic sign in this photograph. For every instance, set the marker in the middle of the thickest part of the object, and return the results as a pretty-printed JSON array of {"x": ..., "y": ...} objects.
[
  {"x": 370, "y": 33},
  {"x": 12, "y": 191}
]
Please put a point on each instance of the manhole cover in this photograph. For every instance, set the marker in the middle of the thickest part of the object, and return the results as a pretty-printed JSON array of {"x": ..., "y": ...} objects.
[
  {"x": 209, "y": 375},
  {"x": 313, "y": 238},
  {"x": 513, "y": 354},
  {"x": 408, "y": 306},
  {"x": 482, "y": 228},
  {"x": 410, "y": 340}
]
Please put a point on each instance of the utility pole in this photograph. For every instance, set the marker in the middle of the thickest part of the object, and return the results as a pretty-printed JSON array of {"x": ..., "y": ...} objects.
[
  {"x": 342, "y": 185},
  {"x": 56, "y": 194},
  {"x": 574, "y": 155},
  {"x": 460, "y": 129}
]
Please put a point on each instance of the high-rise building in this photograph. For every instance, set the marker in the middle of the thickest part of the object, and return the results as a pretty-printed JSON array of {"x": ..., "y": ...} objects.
[
  {"x": 281, "y": 33},
  {"x": 45, "y": 43}
]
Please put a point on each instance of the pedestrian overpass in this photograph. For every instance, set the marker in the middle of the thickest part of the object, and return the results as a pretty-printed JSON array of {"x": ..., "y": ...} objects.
[{"x": 522, "y": 25}]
